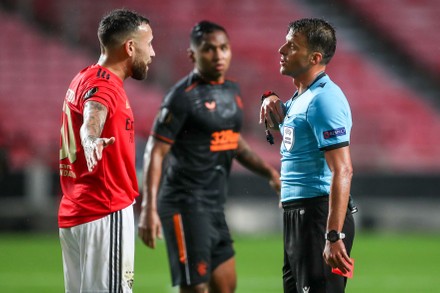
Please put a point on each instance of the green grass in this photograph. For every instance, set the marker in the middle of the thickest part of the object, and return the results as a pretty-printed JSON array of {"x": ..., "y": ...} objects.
[
  {"x": 396, "y": 263},
  {"x": 384, "y": 263}
]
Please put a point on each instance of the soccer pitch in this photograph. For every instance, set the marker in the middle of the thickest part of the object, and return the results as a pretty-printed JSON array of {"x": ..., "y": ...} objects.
[{"x": 384, "y": 263}]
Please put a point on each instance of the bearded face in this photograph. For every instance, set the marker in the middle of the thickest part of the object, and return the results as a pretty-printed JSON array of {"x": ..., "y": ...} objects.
[
  {"x": 143, "y": 52},
  {"x": 139, "y": 69}
]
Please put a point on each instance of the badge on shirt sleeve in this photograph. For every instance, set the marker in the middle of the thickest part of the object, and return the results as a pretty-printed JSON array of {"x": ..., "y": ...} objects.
[
  {"x": 164, "y": 116},
  {"x": 288, "y": 137},
  {"x": 90, "y": 93},
  {"x": 334, "y": 133}
]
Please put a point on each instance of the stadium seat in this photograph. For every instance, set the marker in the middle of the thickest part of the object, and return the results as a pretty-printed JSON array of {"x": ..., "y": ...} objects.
[{"x": 394, "y": 129}]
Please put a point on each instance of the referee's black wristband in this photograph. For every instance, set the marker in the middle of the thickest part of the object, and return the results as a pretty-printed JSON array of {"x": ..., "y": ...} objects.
[{"x": 267, "y": 94}]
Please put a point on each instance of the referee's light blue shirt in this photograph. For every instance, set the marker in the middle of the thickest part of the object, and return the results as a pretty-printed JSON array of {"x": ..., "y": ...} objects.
[{"x": 319, "y": 119}]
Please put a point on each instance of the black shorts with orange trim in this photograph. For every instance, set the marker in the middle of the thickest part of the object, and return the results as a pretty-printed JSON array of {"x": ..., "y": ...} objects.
[{"x": 198, "y": 241}]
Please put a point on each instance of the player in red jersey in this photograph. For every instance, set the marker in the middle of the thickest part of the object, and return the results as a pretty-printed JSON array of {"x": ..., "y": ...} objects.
[
  {"x": 97, "y": 153},
  {"x": 198, "y": 131}
]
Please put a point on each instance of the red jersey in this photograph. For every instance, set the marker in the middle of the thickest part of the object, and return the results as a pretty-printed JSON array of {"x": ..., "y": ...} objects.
[{"x": 112, "y": 185}]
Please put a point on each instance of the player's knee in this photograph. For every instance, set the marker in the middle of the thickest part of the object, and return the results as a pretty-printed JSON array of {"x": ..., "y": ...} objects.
[
  {"x": 232, "y": 287},
  {"x": 223, "y": 287}
]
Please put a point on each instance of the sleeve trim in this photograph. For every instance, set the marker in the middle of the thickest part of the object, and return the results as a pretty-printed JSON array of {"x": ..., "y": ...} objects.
[
  {"x": 335, "y": 146},
  {"x": 162, "y": 138}
]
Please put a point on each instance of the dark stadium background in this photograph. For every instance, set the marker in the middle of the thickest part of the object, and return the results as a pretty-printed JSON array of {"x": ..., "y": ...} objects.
[{"x": 386, "y": 62}]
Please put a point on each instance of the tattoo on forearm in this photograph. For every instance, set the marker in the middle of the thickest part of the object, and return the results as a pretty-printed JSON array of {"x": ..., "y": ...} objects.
[{"x": 95, "y": 115}]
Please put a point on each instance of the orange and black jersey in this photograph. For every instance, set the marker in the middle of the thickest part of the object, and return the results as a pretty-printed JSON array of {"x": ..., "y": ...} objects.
[{"x": 202, "y": 121}]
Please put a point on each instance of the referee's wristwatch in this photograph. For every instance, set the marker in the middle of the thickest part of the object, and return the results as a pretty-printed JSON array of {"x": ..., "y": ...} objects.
[{"x": 334, "y": 236}]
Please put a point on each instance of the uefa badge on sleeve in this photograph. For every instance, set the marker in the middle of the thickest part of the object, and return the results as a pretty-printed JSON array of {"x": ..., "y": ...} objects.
[{"x": 288, "y": 137}]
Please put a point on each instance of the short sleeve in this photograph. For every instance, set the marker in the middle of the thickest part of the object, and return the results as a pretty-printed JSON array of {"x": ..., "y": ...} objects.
[
  {"x": 102, "y": 93},
  {"x": 171, "y": 116},
  {"x": 329, "y": 116}
]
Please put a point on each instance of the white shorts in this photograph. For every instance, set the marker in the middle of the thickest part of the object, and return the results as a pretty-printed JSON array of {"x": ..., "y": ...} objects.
[{"x": 98, "y": 256}]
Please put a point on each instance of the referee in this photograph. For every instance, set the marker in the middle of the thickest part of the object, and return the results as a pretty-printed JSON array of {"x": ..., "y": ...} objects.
[{"x": 316, "y": 168}]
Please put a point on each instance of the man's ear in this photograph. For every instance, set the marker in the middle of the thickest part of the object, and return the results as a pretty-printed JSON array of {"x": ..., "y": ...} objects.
[
  {"x": 316, "y": 58},
  {"x": 191, "y": 55},
  {"x": 129, "y": 47}
]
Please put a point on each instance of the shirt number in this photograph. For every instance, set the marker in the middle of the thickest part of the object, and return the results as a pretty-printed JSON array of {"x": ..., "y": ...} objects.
[{"x": 68, "y": 143}]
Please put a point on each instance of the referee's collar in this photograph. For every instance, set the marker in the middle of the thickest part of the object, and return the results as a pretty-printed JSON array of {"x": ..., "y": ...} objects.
[{"x": 320, "y": 75}]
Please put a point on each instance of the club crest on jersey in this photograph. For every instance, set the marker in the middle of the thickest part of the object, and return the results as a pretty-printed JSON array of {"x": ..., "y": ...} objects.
[
  {"x": 288, "y": 137},
  {"x": 210, "y": 105}
]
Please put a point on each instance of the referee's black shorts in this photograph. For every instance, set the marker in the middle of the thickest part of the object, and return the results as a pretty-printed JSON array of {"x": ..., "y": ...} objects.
[
  {"x": 304, "y": 268},
  {"x": 198, "y": 241}
]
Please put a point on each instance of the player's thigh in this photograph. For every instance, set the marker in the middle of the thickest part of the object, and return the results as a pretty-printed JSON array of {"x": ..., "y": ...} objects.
[
  {"x": 304, "y": 228},
  {"x": 189, "y": 245},
  {"x": 71, "y": 260},
  {"x": 107, "y": 257},
  {"x": 222, "y": 249},
  {"x": 314, "y": 274},
  {"x": 224, "y": 277}
]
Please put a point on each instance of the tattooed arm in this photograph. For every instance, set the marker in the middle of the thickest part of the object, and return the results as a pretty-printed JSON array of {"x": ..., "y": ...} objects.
[
  {"x": 252, "y": 161},
  {"x": 94, "y": 115}
]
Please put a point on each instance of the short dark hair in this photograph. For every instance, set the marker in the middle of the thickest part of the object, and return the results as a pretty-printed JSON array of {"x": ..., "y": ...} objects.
[
  {"x": 320, "y": 36},
  {"x": 117, "y": 25},
  {"x": 201, "y": 29}
]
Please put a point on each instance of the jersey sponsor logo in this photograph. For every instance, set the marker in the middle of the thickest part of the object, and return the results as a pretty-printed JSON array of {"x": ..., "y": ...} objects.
[
  {"x": 224, "y": 140},
  {"x": 288, "y": 137},
  {"x": 129, "y": 124},
  {"x": 210, "y": 105},
  {"x": 334, "y": 133}
]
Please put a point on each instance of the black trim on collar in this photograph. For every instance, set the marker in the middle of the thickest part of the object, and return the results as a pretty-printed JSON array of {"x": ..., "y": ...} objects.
[{"x": 321, "y": 75}]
